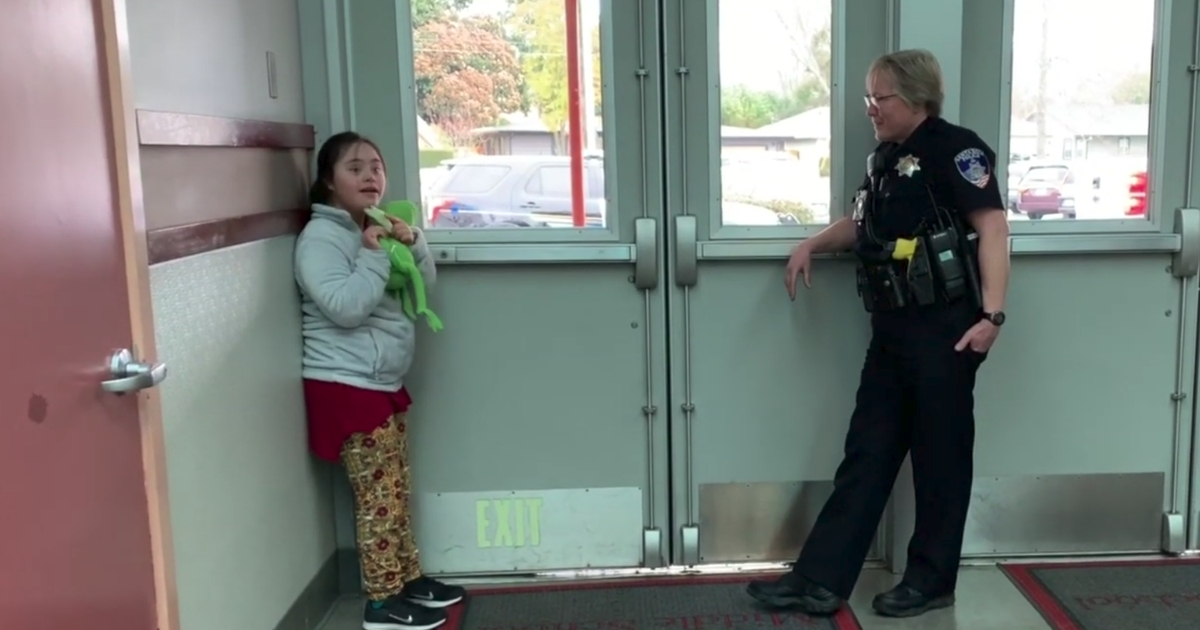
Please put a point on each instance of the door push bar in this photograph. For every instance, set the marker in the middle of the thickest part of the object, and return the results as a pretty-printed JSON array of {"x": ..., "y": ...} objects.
[
  {"x": 1184, "y": 265},
  {"x": 1186, "y": 262},
  {"x": 645, "y": 251},
  {"x": 687, "y": 250}
]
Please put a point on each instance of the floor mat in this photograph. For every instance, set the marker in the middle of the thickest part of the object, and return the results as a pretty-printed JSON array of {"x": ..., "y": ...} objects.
[
  {"x": 1146, "y": 595},
  {"x": 686, "y": 603}
]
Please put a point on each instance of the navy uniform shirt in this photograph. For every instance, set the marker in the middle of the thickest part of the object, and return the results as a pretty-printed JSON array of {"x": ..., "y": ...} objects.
[{"x": 940, "y": 163}]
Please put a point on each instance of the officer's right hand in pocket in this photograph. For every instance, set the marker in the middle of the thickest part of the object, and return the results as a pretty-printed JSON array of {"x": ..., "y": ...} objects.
[{"x": 800, "y": 262}]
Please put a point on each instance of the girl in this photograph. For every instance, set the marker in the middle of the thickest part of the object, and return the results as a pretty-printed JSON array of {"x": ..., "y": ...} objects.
[{"x": 358, "y": 346}]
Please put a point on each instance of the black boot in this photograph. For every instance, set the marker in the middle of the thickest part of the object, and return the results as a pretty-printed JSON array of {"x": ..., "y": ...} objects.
[
  {"x": 793, "y": 591},
  {"x": 906, "y": 601}
]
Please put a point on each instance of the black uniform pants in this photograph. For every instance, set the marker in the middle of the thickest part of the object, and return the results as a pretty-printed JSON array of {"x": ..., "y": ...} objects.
[{"x": 916, "y": 393}]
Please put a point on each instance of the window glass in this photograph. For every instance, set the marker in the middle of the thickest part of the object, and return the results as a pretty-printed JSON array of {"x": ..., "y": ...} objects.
[
  {"x": 465, "y": 177},
  {"x": 1079, "y": 134},
  {"x": 492, "y": 95},
  {"x": 554, "y": 181},
  {"x": 775, "y": 118}
]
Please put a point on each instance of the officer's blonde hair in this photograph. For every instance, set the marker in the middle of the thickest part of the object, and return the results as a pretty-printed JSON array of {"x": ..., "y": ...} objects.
[{"x": 916, "y": 76}]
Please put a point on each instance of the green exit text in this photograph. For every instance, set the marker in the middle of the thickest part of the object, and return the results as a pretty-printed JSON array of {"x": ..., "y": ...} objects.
[{"x": 508, "y": 522}]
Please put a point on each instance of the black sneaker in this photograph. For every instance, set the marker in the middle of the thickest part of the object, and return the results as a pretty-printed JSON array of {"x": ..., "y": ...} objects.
[
  {"x": 397, "y": 614},
  {"x": 430, "y": 593}
]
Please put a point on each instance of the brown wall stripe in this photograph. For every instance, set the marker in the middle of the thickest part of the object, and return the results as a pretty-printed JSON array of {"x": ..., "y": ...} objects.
[
  {"x": 173, "y": 129},
  {"x": 169, "y": 129},
  {"x": 198, "y": 238}
]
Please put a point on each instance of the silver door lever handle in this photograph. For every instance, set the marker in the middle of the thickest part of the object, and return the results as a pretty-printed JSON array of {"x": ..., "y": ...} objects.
[{"x": 131, "y": 376}]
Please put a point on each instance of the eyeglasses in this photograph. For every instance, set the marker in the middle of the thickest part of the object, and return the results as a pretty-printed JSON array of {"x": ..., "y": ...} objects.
[{"x": 874, "y": 101}]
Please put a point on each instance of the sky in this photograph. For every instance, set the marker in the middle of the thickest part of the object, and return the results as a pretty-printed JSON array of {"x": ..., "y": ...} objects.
[
  {"x": 1091, "y": 47},
  {"x": 755, "y": 44}
]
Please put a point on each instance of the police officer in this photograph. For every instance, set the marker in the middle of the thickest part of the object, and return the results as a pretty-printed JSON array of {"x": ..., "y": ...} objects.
[{"x": 931, "y": 235}]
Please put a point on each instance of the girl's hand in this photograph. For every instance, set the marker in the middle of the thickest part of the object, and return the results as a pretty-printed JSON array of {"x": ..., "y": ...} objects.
[
  {"x": 401, "y": 231},
  {"x": 371, "y": 236}
]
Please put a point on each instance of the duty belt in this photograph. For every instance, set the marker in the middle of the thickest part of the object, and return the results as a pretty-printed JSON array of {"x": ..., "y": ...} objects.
[{"x": 920, "y": 270}]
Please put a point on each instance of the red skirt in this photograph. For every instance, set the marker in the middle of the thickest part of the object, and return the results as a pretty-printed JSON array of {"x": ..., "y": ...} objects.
[{"x": 337, "y": 411}]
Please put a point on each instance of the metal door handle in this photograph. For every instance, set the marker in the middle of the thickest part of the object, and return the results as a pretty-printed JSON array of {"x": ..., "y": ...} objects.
[
  {"x": 131, "y": 376},
  {"x": 645, "y": 239},
  {"x": 686, "y": 250}
]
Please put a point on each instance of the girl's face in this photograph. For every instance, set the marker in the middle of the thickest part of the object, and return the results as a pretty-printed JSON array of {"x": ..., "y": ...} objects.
[{"x": 359, "y": 179}]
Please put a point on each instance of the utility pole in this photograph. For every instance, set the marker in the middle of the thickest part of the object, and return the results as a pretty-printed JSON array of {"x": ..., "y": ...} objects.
[
  {"x": 1043, "y": 78},
  {"x": 589, "y": 10}
]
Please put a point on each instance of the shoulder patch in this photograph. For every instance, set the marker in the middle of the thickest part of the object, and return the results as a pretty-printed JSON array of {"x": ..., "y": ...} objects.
[{"x": 973, "y": 165}]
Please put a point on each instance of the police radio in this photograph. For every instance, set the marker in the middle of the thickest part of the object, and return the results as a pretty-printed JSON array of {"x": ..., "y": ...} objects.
[
  {"x": 865, "y": 204},
  {"x": 947, "y": 260},
  {"x": 946, "y": 252},
  {"x": 876, "y": 165}
]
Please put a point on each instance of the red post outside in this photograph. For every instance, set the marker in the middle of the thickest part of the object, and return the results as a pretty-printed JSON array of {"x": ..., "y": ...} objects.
[{"x": 575, "y": 112}]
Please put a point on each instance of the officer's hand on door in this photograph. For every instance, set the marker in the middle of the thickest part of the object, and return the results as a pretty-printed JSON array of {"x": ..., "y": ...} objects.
[{"x": 798, "y": 263}]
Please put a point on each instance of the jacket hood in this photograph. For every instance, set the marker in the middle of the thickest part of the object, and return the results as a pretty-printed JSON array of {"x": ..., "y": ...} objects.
[{"x": 337, "y": 215}]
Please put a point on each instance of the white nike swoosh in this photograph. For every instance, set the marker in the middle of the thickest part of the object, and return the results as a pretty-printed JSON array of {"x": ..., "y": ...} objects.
[
  {"x": 423, "y": 595},
  {"x": 407, "y": 619}
]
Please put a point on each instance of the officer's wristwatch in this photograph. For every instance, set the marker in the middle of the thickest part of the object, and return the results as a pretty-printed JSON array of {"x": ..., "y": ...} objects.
[{"x": 996, "y": 318}]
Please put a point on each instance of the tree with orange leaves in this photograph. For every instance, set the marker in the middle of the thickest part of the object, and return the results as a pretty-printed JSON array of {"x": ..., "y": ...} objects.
[{"x": 467, "y": 75}]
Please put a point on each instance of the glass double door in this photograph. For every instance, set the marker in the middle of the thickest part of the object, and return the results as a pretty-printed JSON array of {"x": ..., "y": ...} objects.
[{"x": 660, "y": 399}]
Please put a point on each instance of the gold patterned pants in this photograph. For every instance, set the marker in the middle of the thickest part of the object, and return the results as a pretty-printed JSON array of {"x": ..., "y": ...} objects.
[{"x": 378, "y": 467}]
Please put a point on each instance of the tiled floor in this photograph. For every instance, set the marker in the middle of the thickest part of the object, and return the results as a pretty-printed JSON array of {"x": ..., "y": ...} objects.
[{"x": 987, "y": 600}]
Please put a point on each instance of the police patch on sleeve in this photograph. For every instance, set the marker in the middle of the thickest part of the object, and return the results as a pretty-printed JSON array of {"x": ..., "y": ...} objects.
[{"x": 973, "y": 165}]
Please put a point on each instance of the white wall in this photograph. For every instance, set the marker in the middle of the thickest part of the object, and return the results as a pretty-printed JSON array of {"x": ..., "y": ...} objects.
[
  {"x": 251, "y": 510},
  {"x": 210, "y": 57}
]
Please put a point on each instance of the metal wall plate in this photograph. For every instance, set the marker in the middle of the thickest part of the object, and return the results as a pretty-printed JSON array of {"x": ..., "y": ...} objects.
[
  {"x": 760, "y": 522},
  {"x": 1062, "y": 514}
]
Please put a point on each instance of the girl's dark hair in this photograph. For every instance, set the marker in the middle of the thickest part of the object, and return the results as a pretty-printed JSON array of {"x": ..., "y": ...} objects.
[{"x": 334, "y": 148}]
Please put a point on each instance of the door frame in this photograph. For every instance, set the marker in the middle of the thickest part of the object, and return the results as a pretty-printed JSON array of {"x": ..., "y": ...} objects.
[{"x": 117, "y": 72}]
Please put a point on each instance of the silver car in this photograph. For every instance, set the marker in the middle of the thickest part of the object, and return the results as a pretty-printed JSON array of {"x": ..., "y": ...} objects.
[{"x": 508, "y": 191}]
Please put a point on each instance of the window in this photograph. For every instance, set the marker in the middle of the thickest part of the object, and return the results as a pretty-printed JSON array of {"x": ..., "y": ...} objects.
[
  {"x": 472, "y": 178},
  {"x": 492, "y": 81},
  {"x": 1080, "y": 102},
  {"x": 775, "y": 119},
  {"x": 550, "y": 181}
]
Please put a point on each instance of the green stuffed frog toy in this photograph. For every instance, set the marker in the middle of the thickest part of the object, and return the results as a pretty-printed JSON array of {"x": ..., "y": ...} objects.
[{"x": 405, "y": 281}]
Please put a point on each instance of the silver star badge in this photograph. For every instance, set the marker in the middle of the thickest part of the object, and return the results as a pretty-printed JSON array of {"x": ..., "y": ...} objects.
[{"x": 908, "y": 165}]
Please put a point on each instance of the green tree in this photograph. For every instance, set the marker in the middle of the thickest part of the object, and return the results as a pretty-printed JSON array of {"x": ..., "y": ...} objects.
[
  {"x": 743, "y": 107},
  {"x": 805, "y": 87},
  {"x": 426, "y": 11},
  {"x": 810, "y": 37},
  {"x": 467, "y": 75},
  {"x": 541, "y": 27},
  {"x": 813, "y": 86},
  {"x": 1132, "y": 89}
]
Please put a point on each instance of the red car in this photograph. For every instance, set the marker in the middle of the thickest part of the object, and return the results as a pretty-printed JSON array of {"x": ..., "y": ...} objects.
[
  {"x": 1137, "y": 195},
  {"x": 1047, "y": 189}
]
